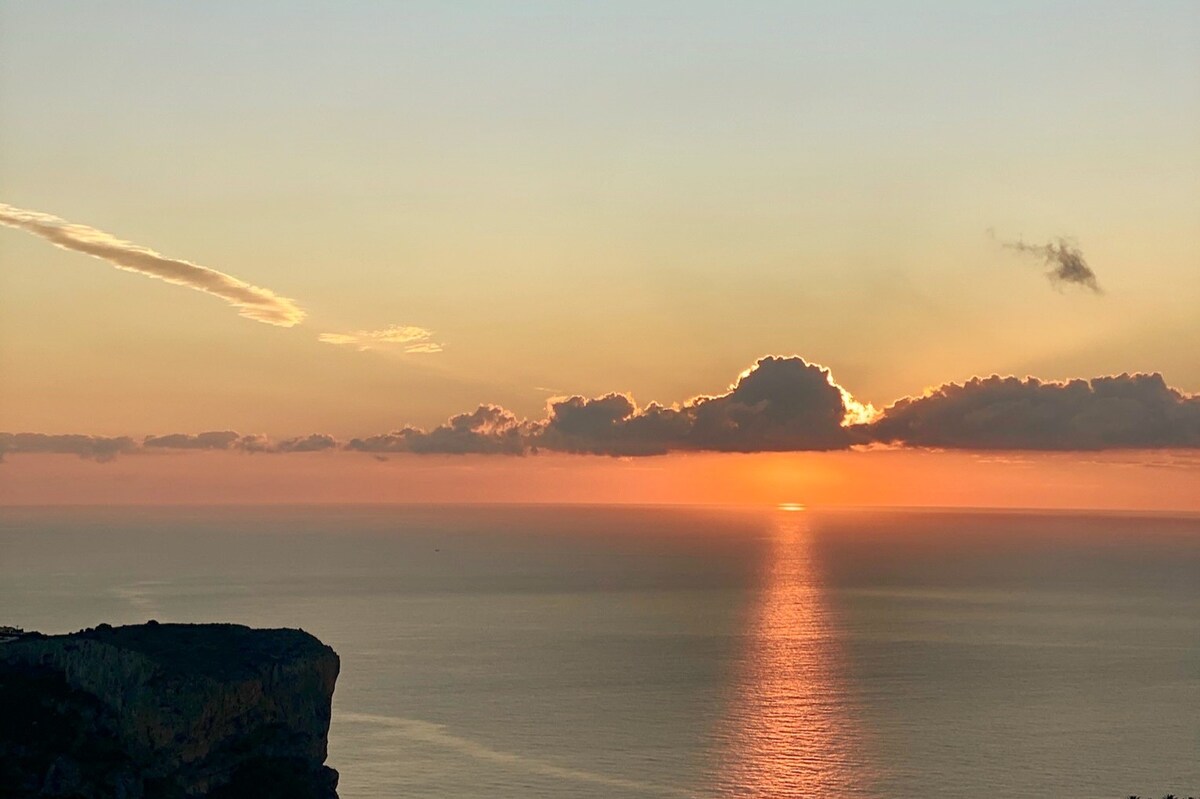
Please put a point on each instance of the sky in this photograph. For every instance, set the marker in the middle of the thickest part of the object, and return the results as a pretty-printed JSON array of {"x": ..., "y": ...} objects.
[{"x": 398, "y": 212}]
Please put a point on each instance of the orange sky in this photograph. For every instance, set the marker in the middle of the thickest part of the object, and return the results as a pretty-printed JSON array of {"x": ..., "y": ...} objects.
[
  {"x": 346, "y": 223},
  {"x": 1131, "y": 480}
]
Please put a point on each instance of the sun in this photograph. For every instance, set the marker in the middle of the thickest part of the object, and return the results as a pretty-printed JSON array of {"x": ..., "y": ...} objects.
[{"x": 791, "y": 507}]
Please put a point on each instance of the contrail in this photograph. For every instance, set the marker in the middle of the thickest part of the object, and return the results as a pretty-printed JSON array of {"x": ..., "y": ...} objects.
[{"x": 253, "y": 302}]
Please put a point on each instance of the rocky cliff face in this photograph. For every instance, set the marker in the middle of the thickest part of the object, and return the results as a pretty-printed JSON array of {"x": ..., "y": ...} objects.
[{"x": 160, "y": 711}]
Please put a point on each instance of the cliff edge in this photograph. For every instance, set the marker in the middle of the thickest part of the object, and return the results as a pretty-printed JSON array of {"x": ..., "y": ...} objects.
[{"x": 166, "y": 711}]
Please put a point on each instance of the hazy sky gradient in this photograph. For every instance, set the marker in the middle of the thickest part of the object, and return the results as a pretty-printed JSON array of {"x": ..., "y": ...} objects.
[{"x": 585, "y": 198}]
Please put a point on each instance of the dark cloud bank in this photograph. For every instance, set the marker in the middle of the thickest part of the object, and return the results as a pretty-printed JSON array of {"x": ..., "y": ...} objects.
[
  {"x": 781, "y": 404},
  {"x": 1122, "y": 412}
]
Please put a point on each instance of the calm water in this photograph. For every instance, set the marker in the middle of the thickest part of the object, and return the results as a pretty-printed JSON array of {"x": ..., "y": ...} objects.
[{"x": 575, "y": 652}]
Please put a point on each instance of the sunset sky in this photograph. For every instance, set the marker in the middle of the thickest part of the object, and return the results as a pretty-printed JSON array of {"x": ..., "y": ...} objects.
[{"x": 402, "y": 213}]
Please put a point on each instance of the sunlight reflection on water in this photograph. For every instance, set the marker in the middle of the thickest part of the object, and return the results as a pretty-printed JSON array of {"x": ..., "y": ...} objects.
[{"x": 789, "y": 731}]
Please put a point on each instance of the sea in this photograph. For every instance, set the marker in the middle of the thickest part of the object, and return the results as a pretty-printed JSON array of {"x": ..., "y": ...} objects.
[{"x": 520, "y": 652}]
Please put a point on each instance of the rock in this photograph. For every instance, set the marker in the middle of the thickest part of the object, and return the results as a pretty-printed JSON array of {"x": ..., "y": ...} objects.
[{"x": 161, "y": 711}]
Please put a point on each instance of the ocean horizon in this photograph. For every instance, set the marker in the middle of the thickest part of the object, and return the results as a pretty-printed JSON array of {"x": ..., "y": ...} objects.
[{"x": 593, "y": 651}]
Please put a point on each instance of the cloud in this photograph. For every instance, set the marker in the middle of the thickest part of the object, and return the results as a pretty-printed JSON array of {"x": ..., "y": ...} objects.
[
  {"x": 1137, "y": 411},
  {"x": 222, "y": 439},
  {"x": 229, "y": 440},
  {"x": 488, "y": 430},
  {"x": 253, "y": 302},
  {"x": 608, "y": 425},
  {"x": 781, "y": 404},
  {"x": 316, "y": 442},
  {"x": 407, "y": 337},
  {"x": 427, "y": 347},
  {"x": 1066, "y": 262},
  {"x": 211, "y": 440},
  {"x": 102, "y": 449},
  {"x": 95, "y": 448}
]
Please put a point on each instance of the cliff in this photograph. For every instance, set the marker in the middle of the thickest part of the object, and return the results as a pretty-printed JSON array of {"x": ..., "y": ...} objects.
[{"x": 166, "y": 711}]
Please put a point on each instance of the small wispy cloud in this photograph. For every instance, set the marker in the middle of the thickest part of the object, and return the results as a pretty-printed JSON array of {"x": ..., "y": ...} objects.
[
  {"x": 1065, "y": 259},
  {"x": 409, "y": 338},
  {"x": 429, "y": 346},
  {"x": 253, "y": 302}
]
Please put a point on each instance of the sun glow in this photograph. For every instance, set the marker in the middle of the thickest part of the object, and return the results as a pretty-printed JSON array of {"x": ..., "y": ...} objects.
[
  {"x": 856, "y": 412},
  {"x": 791, "y": 507}
]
